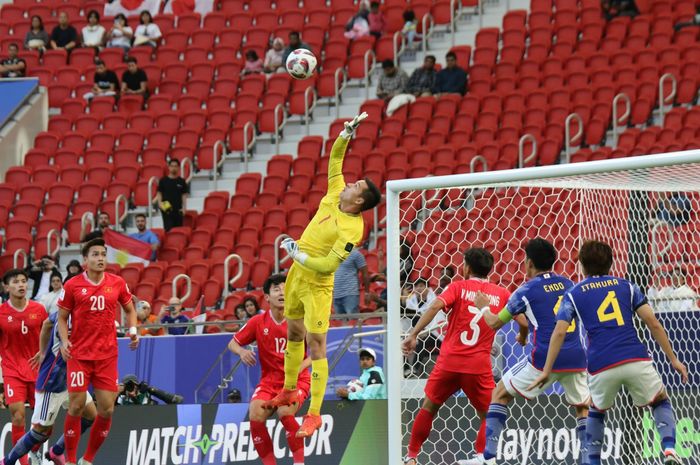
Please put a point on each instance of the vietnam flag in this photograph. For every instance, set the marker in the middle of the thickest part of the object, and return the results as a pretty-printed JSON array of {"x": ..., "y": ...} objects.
[
  {"x": 122, "y": 249},
  {"x": 132, "y": 7}
]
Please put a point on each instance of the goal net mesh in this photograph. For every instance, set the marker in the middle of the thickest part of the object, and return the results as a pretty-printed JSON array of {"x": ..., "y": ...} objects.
[{"x": 649, "y": 216}]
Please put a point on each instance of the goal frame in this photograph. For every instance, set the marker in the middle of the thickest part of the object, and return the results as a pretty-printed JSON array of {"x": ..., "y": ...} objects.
[{"x": 394, "y": 358}]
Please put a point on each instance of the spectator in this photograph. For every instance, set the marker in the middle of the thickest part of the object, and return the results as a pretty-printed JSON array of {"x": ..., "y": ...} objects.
[
  {"x": 172, "y": 313},
  {"x": 678, "y": 297},
  {"x": 241, "y": 314},
  {"x": 452, "y": 79},
  {"x": 405, "y": 262},
  {"x": 50, "y": 299},
  {"x": 73, "y": 269},
  {"x": 358, "y": 26},
  {"x": 346, "y": 288},
  {"x": 134, "y": 79},
  {"x": 41, "y": 272},
  {"x": 614, "y": 8},
  {"x": 147, "y": 32},
  {"x": 416, "y": 304},
  {"x": 93, "y": 34},
  {"x": 448, "y": 274},
  {"x": 251, "y": 306},
  {"x": 294, "y": 43},
  {"x": 393, "y": 81},
  {"x": 422, "y": 80},
  {"x": 4, "y": 297},
  {"x": 12, "y": 66},
  {"x": 273, "y": 58},
  {"x": 64, "y": 36},
  {"x": 131, "y": 394},
  {"x": 376, "y": 20},
  {"x": 234, "y": 396},
  {"x": 36, "y": 38},
  {"x": 674, "y": 209},
  {"x": 172, "y": 195},
  {"x": 121, "y": 33},
  {"x": 371, "y": 384},
  {"x": 106, "y": 82},
  {"x": 145, "y": 235},
  {"x": 103, "y": 222},
  {"x": 410, "y": 28},
  {"x": 253, "y": 63},
  {"x": 145, "y": 317}
]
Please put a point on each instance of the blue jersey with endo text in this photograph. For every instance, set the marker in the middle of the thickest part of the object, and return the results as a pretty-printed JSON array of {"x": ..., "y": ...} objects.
[
  {"x": 539, "y": 300},
  {"x": 606, "y": 306},
  {"x": 52, "y": 372}
]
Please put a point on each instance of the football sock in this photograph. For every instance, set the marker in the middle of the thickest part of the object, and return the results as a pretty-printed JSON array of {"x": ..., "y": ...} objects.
[
  {"x": 480, "y": 443},
  {"x": 293, "y": 357},
  {"x": 420, "y": 432},
  {"x": 60, "y": 447},
  {"x": 24, "y": 445},
  {"x": 71, "y": 429},
  {"x": 98, "y": 434},
  {"x": 262, "y": 442},
  {"x": 495, "y": 422},
  {"x": 581, "y": 435},
  {"x": 296, "y": 445},
  {"x": 319, "y": 379},
  {"x": 665, "y": 423},
  {"x": 17, "y": 433},
  {"x": 595, "y": 431}
]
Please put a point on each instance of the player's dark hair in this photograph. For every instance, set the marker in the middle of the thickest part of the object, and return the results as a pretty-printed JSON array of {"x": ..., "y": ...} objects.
[
  {"x": 12, "y": 273},
  {"x": 140, "y": 215},
  {"x": 480, "y": 261},
  {"x": 273, "y": 280},
  {"x": 596, "y": 258},
  {"x": 173, "y": 160},
  {"x": 542, "y": 253},
  {"x": 371, "y": 196},
  {"x": 387, "y": 64},
  {"x": 98, "y": 242}
]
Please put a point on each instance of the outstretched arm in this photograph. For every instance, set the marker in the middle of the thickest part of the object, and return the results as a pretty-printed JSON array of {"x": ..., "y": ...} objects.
[{"x": 336, "y": 182}]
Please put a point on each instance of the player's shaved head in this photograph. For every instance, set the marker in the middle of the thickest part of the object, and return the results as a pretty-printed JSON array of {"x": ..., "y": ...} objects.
[
  {"x": 13, "y": 273},
  {"x": 371, "y": 196},
  {"x": 97, "y": 242},
  {"x": 542, "y": 254},
  {"x": 479, "y": 261},
  {"x": 596, "y": 258}
]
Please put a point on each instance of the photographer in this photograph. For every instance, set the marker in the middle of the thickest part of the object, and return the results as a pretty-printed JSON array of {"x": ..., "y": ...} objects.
[
  {"x": 40, "y": 272},
  {"x": 172, "y": 313},
  {"x": 131, "y": 392}
]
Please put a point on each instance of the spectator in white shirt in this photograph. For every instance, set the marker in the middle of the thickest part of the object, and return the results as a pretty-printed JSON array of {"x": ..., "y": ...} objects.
[
  {"x": 148, "y": 32},
  {"x": 678, "y": 297},
  {"x": 121, "y": 33},
  {"x": 419, "y": 301},
  {"x": 50, "y": 300},
  {"x": 93, "y": 34}
]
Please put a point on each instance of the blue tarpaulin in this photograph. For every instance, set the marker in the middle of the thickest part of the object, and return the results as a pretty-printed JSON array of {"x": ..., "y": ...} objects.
[{"x": 13, "y": 92}]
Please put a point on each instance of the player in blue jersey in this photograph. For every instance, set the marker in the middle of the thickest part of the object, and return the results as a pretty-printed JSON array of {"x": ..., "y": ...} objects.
[
  {"x": 606, "y": 306},
  {"x": 50, "y": 395},
  {"x": 538, "y": 300}
]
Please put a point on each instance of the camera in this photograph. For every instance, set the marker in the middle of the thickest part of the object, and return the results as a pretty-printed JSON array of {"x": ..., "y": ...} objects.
[{"x": 131, "y": 385}]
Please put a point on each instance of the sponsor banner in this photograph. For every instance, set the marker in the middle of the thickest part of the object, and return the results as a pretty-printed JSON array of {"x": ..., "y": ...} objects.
[{"x": 353, "y": 433}]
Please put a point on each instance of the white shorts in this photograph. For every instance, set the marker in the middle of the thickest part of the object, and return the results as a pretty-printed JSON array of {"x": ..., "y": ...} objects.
[
  {"x": 518, "y": 378},
  {"x": 47, "y": 405},
  {"x": 640, "y": 378}
]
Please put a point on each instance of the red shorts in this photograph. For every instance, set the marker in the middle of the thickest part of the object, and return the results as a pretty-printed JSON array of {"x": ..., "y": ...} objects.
[
  {"x": 442, "y": 384},
  {"x": 266, "y": 391},
  {"x": 102, "y": 374},
  {"x": 18, "y": 390}
]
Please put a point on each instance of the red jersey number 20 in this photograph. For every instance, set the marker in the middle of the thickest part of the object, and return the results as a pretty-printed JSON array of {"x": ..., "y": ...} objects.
[
  {"x": 470, "y": 336},
  {"x": 97, "y": 303}
]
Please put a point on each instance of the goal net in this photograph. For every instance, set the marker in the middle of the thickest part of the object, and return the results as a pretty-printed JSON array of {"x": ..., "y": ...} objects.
[{"x": 647, "y": 208}]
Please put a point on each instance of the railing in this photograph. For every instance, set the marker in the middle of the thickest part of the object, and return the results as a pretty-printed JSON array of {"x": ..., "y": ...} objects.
[
  {"x": 398, "y": 43},
  {"x": 522, "y": 159},
  {"x": 23, "y": 254},
  {"x": 568, "y": 139},
  {"x": 620, "y": 120},
  {"x": 278, "y": 241},
  {"x": 279, "y": 125},
  {"x": 339, "y": 88},
  {"x": 351, "y": 338},
  {"x": 453, "y": 20},
  {"x": 666, "y": 99},
  {"x": 187, "y": 163},
  {"x": 368, "y": 71},
  {"x": 225, "y": 378},
  {"x": 309, "y": 107},
  {"x": 427, "y": 32},
  {"x": 657, "y": 252},
  {"x": 87, "y": 217},
  {"x": 49, "y": 250},
  {"x": 229, "y": 281},
  {"x": 480, "y": 8},
  {"x": 119, "y": 219},
  {"x": 218, "y": 161},
  {"x": 188, "y": 280},
  {"x": 247, "y": 144},
  {"x": 151, "y": 199},
  {"x": 478, "y": 159}
]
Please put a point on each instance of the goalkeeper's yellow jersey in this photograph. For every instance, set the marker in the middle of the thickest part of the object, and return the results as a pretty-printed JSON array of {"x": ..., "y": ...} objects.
[{"x": 332, "y": 231}]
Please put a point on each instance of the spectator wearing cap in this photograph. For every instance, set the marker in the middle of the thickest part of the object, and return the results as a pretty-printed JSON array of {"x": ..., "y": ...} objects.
[
  {"x": 451, "y": 79},
  {"x": 64, "y": 36},
  {"x": 346, "y": 288},
  {"x": 172, "y": 313},
  {"x": 393, "y": 81},
  {"x": 134, "y": 79},
  {"x": 371, "y": 384},
  {"x": 106, "y": 82}
]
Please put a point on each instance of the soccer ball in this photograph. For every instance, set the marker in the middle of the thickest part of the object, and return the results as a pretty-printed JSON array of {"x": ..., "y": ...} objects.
[
  {"x": 354, "y": 386},
  {"x": 301, "y": 64}
]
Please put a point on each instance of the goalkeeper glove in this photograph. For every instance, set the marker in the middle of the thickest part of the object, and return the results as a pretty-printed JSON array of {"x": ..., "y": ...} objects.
[
  {"x": 351, "y": 126},
  {"x": 292, "y": 248}
]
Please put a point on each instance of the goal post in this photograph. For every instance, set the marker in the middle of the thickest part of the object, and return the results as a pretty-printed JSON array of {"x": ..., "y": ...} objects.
[{"x": 616, "y": 200}]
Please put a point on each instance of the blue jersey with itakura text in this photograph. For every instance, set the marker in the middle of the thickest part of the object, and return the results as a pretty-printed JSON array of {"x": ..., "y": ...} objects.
[
  {"x": 539, "y": 299},
  {"x": 52, "y": 372},
  {"x": 606, "y": 306}
]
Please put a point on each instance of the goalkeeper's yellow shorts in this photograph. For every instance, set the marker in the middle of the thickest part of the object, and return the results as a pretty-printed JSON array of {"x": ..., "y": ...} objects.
[{"x": 308, "y": 295}]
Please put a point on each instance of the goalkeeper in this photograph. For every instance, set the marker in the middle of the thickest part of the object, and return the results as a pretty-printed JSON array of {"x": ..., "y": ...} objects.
[{"x": 328, "y": 239}]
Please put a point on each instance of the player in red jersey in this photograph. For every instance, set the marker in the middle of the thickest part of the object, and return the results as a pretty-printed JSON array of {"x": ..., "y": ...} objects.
[
  {"x": 465, "y": 355},
  {"x": 20, "y": 326},
  {"x": 91, "y": 300},
  {"x": 269, "y": 330}
]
